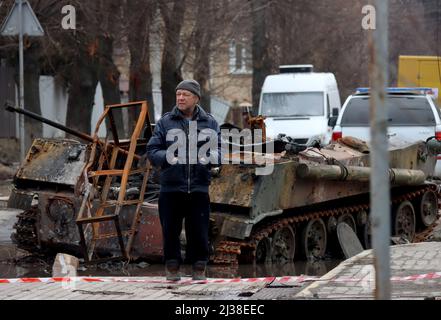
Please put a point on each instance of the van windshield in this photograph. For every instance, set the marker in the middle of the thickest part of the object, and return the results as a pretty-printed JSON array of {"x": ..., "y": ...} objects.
[
  {"x": 402, "y": 111},
  {"x": 286, "y": 104}
]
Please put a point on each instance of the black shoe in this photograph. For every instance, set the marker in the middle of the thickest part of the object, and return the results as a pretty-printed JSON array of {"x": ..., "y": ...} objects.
[
  {"x": 199, "y": 270},
  {"x": 172, "y": 270}
]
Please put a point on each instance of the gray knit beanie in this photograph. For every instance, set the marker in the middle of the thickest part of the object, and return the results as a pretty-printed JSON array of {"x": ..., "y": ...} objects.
[{"x": 190, "y": 85}]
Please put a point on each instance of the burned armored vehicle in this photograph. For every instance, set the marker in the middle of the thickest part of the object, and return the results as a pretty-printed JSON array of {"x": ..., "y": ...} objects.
[
  {"x": 295, "y": 210},
  {"x": 89, "y": 199}
]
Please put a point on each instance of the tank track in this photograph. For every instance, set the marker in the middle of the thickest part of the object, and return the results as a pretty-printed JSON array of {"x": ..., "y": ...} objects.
[
  {"x": 25, "y": 236},
  {"x": 229, "y": 251}
]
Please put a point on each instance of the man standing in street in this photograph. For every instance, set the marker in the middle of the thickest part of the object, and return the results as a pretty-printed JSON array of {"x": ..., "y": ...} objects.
[{"x": 185, "y": 179}]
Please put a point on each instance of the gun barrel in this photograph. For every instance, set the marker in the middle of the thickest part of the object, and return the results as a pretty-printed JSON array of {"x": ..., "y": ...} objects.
[
  {"x": 35, "y": 116},
  {"x": 73, "y": 132}
]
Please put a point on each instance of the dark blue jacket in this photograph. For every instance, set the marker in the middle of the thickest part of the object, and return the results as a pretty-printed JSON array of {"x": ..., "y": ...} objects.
[{"x": 182, "y": 177}]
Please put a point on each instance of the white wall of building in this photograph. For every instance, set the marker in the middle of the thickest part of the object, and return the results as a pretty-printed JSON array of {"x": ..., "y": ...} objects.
[
  {"x": 53, "y": 103},
  {"x": 155, "y": 65},
  {"x": 98, "y": 109}
]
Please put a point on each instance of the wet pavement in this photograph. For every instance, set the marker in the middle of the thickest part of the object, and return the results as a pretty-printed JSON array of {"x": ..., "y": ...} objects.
[
  {"x": 415, "y": 270},
  {"x": 415, "y": 275},
  {"x": 15, "y": 263}
]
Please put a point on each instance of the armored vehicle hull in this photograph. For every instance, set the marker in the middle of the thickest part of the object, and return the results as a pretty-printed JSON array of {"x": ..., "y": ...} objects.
[
  {"x": 291, "y": 213},
  {"x": 66, "y": 189}
]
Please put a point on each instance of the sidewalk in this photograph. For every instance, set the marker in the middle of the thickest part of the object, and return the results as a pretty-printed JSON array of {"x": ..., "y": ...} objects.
[
  {"x": 415, "y": 275},
  {"x": 415, "y": 271},
  {"x": 148, "y": 288}
]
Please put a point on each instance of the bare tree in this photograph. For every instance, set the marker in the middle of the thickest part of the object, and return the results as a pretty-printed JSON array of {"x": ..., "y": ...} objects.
[
  {"x": 80, "y": 58},
  {"x": 207, "y": 27},
  {"x": 432, "y": 18},
  {"x": 327, "y": 35},
  {"x": 92, "y": 61},
  {"x": 138, "y": 16},
  {"x": 409, "y": 32},
  {"x": 33, "y": 59},
  {"x": 209, "y": 31},
  {"x": 261, "y": 47},
  {"x": 108, "y": 73},
  {"x": 173, "y": 15}
]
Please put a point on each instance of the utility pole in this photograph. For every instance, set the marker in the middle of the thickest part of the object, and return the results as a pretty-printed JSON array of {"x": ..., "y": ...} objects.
[
  {"x": 380, "y": 185},
  {"x": 21, "y": 89}
]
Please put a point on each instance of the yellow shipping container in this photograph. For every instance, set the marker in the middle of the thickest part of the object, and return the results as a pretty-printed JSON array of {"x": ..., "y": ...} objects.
[{"x": 420, "y": 71}]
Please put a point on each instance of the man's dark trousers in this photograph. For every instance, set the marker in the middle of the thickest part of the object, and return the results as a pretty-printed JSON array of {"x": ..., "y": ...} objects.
[{"x": 195, "y": 208}]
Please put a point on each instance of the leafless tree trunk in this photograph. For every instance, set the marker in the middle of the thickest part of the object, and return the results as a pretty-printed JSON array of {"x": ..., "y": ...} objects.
[
  {"x": 139, "y": 15},
  {"x": 203, "y": 37},
  {"x": 432, "y": 18},
  {"x": 262, "y": 60},
  {"x": 108, "y": 76},
  {"x": 83, "y": 81},
  {"x": 107, "y": 27},
  {"x": 99, "y": 23},
  {"x": 33, "y": 129},
  {"x": 170, "y": 66},
  {"x": 33, "y": 57}
]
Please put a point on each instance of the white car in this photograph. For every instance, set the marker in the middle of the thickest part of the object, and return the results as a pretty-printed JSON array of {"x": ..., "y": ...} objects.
[{"x": 412, "y": 116}]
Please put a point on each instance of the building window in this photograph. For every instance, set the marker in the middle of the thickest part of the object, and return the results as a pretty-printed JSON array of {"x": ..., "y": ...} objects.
[{"x": 240, "y": 58}]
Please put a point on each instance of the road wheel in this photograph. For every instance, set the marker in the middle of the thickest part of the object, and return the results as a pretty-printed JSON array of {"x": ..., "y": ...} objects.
[
  {"x": 404, "y": 221},
  {"x": 314, "y": 239}
]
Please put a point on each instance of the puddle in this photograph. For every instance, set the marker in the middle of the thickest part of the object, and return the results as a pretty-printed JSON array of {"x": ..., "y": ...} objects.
[
  {"x": 215, "y": 271},
  {"x": 16, "y": 263}
]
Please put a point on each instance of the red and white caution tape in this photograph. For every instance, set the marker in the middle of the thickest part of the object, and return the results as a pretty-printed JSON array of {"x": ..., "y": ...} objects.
[
  {"x": 430, "y": 276},
  {"x": 154, "y": 280},
  {"x": 290, "y": 279}
]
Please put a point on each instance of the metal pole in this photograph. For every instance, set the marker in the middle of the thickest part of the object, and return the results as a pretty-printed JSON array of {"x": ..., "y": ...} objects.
[
  {"x": 21, "y": 89},
  {"x": 380, "y": 187}
]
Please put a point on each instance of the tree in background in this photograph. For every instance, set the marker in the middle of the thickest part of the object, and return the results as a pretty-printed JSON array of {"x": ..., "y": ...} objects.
[
  {"x": 263, "y": 59},
  {"x": 432, "y": 19},
  {"x": 203, "y": 37},
  {"x": 138, "y": 17},
  {"x": 34, "y": 58},
  {"x": 90, "y": 49},
  {"x": 326, "y": 34},
  {"x": 172, "y": 13}
]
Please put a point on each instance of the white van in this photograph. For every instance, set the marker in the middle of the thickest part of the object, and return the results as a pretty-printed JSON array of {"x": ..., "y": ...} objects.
[{"x": 299, "y": 103}]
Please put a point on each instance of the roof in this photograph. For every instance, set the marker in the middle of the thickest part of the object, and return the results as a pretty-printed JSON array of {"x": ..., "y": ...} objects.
[{"x": 299, "y": 82}]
